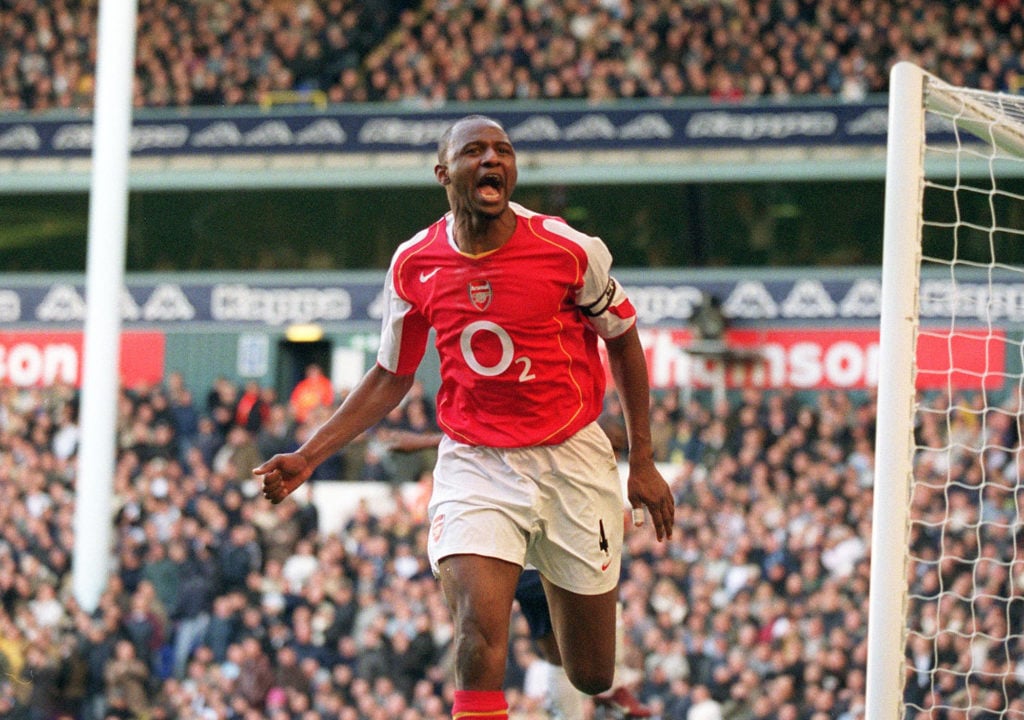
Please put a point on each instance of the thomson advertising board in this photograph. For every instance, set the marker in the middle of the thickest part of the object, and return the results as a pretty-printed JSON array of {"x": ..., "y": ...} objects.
[
  {"x": 787, "y": 328},
  {"x": 40, "y": 358},
  {"x": 820, "y": 359}
]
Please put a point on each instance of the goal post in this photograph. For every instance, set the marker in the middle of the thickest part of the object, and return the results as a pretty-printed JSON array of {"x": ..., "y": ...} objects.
[
  {"x": 897, "y": 335},
  {"x": 946, "y": 605}
]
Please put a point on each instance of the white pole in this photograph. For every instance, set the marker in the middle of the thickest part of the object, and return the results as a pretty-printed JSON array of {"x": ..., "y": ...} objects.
[
  {"x": 894, "y": 437},
  {"x": 108, "y": 205}
]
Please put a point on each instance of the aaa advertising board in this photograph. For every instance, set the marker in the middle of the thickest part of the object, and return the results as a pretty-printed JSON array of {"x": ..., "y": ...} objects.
[{"x": 340, "y": 129}]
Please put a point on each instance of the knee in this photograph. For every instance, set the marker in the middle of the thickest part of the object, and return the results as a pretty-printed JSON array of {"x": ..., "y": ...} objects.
[
  {"x": 480, "y": 655},
  {"x": 476, "y": 645},
  {"x": 592, "y": 681}
]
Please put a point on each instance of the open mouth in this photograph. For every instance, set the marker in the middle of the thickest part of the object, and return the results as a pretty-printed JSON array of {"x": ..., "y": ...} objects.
[{"x": 490, "y": 186}]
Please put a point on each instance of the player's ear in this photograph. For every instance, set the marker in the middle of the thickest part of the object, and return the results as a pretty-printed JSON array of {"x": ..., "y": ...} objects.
[{"x": 441, "y": 173}]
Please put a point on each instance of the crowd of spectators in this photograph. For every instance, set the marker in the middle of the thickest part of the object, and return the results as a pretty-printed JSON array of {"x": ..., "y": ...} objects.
[
  {"x": 241, "y": 52},
  {"x": 222, "y": 606}
]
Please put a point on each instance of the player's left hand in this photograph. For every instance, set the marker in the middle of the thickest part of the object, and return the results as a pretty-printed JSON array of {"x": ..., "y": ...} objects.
[{"x": 647, "y": 488}]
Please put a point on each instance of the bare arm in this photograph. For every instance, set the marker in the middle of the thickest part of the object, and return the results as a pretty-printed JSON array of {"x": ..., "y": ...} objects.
[
  {"x": 376, "y": 394},
  {"x": 411, "y": 441},
  {"x": 645, "y": 485}
]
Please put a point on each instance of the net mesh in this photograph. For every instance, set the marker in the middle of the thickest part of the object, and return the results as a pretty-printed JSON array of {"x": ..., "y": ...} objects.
[{"x": 965, "y": 607}]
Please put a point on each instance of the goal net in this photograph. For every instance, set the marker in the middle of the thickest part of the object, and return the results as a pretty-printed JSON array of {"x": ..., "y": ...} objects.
[{"x": 946, "y": 608}]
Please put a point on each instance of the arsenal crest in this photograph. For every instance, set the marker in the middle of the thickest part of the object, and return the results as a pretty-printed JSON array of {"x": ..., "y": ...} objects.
[{"x": 480, "y": 294}]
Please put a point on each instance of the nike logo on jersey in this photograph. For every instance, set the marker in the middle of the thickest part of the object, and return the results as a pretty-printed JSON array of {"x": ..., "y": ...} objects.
[{"x": 424, "y": 276}]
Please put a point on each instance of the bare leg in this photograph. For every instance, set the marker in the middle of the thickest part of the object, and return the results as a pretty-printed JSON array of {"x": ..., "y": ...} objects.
[
  {"x": 479, "y": 592},
  {"x": 620, "y": 696},
  {"x": 585, "y": 630}
]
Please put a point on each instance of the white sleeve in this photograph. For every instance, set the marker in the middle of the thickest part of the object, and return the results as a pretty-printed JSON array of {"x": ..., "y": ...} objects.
[
  {"x": 601, "y": 299},
  {"x": 403, "y": 332}
]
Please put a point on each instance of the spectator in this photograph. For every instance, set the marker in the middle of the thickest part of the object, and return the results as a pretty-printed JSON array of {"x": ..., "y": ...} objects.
[
  {"x": 160, "y": 570},
  {"x": 221, "y": 632},
  {"x": 66, "y": 435},
  {"x": 255, "y": 675},
  {"x": 237, "y": 556},
  {"x": 234, "y": 458},
  {"x": 279, "y": 531},
  {"x": 276, "y": 434},
  {"x": 221, "y": 401},
  {"x": 41, "y": 674},
  {"x": 252, "y": 409},
  {"x": 195, "y": 599},
  {"x": 208, "y": 440},
  {"x": 144, "y": 625},
  {"x": 313, "y": 391},
  {"x": 184, "y": 416},
  {"x": 127, "y": 681},
  {"x": 299, "y": 567}
]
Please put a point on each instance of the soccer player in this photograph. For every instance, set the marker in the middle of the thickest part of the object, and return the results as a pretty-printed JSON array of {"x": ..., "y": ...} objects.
[{"x": 517, "y": 301}]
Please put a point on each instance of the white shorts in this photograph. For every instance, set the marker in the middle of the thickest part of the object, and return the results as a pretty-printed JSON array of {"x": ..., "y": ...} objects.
[{"x": 556, "y": 507}]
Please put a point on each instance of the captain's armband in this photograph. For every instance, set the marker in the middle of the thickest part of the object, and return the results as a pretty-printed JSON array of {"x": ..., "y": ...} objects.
[{"x": 603, "y": 302}]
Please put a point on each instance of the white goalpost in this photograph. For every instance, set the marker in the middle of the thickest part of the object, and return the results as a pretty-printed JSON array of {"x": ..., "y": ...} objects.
[
  {"x": 108, "y": 219},
  {"x": 946, "y": 607}
]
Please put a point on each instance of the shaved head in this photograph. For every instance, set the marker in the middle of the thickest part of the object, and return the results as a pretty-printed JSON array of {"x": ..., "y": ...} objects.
[{"x": 446, "y": 138}]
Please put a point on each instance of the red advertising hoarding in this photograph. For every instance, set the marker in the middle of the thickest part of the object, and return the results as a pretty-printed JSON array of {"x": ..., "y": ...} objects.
[
  {"x": 33, "y": 359},
  {"x": 805, "y": 359},
  {"x": 819, "y": 359}
]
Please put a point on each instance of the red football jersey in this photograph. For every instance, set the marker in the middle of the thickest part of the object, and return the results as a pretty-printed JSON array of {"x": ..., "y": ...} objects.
[{"x": 516, "y": 328}]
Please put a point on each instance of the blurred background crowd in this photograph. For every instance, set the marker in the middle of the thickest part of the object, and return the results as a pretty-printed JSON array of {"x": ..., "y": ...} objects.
[
  {"x": 221, "y": 605},
  {"x": 247, "y": 52}
]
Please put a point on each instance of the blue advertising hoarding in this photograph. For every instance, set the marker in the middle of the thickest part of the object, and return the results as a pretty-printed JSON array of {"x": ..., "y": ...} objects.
[
  {"x": 651, "y": 126},
  {"x": 749, "y": 297}
]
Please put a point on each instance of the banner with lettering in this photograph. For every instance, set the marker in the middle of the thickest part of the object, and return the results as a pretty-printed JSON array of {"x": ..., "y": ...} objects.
[
  {"x": 782, "y": 297},
  {"x": 37, "y": 359},
  {"x": 561, "y": 127},
  {"x": 819, "y": 359}
]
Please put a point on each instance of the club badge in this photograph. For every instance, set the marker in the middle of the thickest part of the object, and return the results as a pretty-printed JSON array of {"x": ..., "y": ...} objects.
[{"x": 480, "y": 294}]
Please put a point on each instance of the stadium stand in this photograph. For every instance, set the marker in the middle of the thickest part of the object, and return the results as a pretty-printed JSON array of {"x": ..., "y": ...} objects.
[
  {"x": 258, "y": 52},
  {"x": 755, "y": 609}
]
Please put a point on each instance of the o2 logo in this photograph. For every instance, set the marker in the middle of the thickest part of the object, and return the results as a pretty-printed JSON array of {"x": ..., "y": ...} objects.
[{"x": 508, "y": 352}]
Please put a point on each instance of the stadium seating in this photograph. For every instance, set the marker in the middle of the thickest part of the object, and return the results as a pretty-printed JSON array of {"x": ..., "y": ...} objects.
[{"x": 237, "y": 52}]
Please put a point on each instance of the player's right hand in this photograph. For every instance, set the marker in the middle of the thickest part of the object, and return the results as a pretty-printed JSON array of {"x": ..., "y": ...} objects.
[{"x": 282, "y": 474}]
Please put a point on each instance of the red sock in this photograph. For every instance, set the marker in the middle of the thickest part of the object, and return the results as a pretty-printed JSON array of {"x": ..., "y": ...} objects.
[{"x": 480, "y": 704}]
